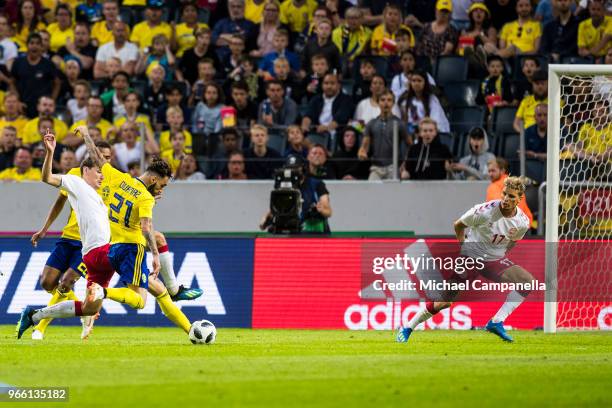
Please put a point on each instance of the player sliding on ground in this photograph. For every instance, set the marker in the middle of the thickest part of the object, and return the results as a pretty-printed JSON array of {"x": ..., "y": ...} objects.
[
  {"x": 126, "y": 257},
  {"x": 64, "y": 266},
  {"x": 493, "y": 228}
]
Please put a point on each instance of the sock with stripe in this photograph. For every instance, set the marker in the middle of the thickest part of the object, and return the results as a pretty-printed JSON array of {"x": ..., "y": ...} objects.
[
  {"x": 68, "y": 308},
  {"x": 172, "y": 312},
  {"x": 167, "y": 270},
  {"x": 422, "y": 316},
  {"x": 56, "y": 297}
]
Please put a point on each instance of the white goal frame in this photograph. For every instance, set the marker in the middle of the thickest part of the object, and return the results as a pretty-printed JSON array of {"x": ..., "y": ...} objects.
[{"x": 555, "y": 71}]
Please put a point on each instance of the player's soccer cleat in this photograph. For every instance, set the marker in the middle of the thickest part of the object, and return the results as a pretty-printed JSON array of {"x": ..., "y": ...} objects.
[
  {"x": 94, "y": 292},
  {"x": 37, "y": 335},
  {"x": 187, "y": 293},
  {"x": 87, "y": 322},
  {"x": 25, "y": 321},
  {"x": 403, "y": 334},
  {"x": 498, "y": 329}
]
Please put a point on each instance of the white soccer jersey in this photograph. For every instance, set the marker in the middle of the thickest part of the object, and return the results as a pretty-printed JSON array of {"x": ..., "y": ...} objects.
[
  {"x": 91, "y": 213},
  {"x": 489, "y": 233}
]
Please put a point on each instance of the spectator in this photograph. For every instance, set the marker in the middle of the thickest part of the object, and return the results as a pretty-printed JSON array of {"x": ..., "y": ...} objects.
[
  {"x": 9, "y": 51},
  {"x": 536, "y": 143},
  {"x": 12, "y": 113},
  {"x": 525, "y": 115},
  {"x": 206, "y": 75},
  {"x": 67, "y": 161},
  {"x": 560, "y": 36},
  {"x": 102, "y": 31},
  {"x": 400, "y": 82},
  {"x": 159, "y": 53},
  {"x": 428, "y": 159},
  {"x": 377, "y": 143},
  {"x": 383, "y": 36},
  {"x": 254, "y": 10},
  {"x": 113, "y": 98},
  {"x": 130, "y": 147},
  {"x": 189, "y": 63},
  {"x": 368, "y": 108},
  {"x": 594, "y": 142},
  {"x": 207, "y": 114},
  {"x": 479, "y": 37},
  {"x": 234, "y": 24},
  {"x": 246, "y": 110},
  {"x": 297, "y": 13},
  {"x": 144, "y": 32},
  {"x": 521, "y": 36},
  {"x": 402, "y": 40},
  {"x": 498, "y": 172},
  {"x": 544, "y": 12},
  {"x": 523, "y": 87},
  {"x": 80, "y": 50},
  {"x": 132, "y": 104},
  {"x": 72, "y": 71},
  {"x": 474, "y": 165},
  {"x": 218, "y": 163},
  {"x": 88, "y": 12},
  {"x": 361, "y": 86},
  {"x": 46, "y": 109},
  {"x": 318, "y": 164},
  {"x": 176, "y": 121},
  {"x": 174, "y": 98},
  {"x": 419, "y": 102},
  {"x": 297, "y": 145},
  {"x": 280, "y": 43},
  {"x": 96, "y": 135},
  {"x": 189, "y": 169},
  {"x": 120, "y": 48},
  {"x": 276, "y": 110},
  {"x": 438, "y": 37},
  {"x": 322, "y": 44},
  {"x": 28, "y": 22},
  {"x": 347, "y": 165},
  {"x": 352, "y": 38},
  {"x": 459, "y": 16},
  {"x": 183, "y": 35},
  {"x": 175, "y": 155},
  {"x": 34, "y": 66},
  {"x": 268, "y": 25},
  {"x": 155, "y": 93},
  {"x": 320, "y": 13},
  {"x": 327, "y": 111},
  {"x": 261, "y": 161},
  {"x": 236, "y": 167},
  {"x": 231, "y": 61},
  {"x": 312, "y": 83},
  {"x": 496, "y": 88},
  {"x": 22, "y": 169},
  {"x": 284, "y": 75},
  {"x": 502, "y": 12},
  {"x": 247, "y": 73},
  {"x": 95, "y": 109},
  {"x": 337, "y": 9},
  {"x": 61, "y": 31},
  {"x": 595, "y": 33},
  {"x": 8, "y": 146}
]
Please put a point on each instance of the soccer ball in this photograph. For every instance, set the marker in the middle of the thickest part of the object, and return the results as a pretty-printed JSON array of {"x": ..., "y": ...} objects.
[{"x": 202, "y": 332}]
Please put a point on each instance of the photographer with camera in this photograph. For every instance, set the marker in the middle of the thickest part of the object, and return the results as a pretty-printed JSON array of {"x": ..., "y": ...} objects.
[{"x": 299, "y": 203}]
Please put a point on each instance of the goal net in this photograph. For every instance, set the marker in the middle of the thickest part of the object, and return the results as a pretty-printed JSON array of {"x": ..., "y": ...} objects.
[{"x": 579, "y": 199}]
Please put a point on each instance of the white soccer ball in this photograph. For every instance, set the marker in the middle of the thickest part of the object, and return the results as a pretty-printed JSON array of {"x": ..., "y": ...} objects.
[{"x": 202, "y": 332}]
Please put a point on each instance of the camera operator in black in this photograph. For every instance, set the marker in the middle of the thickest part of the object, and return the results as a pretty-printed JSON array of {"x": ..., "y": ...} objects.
[{"x": 316, "y": 208}]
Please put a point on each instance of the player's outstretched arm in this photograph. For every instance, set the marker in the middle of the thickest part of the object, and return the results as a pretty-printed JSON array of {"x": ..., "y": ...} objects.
[
  {"x": 92, "y": 149},
  {"x": 47, "y": 175},
  {"x": 55, "y": 210}
]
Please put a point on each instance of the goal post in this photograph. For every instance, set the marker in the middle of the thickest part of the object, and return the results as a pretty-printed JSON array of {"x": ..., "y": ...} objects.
[{"x": 577, "y": 94}]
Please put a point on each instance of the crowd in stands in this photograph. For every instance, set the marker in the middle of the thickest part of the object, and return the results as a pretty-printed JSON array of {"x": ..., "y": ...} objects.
[{"x": 229, "y": 89}]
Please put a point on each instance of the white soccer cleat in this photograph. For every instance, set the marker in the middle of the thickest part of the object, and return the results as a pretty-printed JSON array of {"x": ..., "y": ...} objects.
[
  {"x": 37, "y": 335},
  {"x": 95, "y": 292},
  {"x": 87, "y": 322}
]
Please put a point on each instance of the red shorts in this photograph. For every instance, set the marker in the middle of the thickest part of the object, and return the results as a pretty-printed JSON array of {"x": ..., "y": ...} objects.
[
  {"x": 99, "y": 268},
  {"x": 492, "y": 270}
]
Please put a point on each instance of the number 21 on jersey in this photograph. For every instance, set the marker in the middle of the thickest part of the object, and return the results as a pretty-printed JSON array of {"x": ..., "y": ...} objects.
[{"x": 117, "y": 207}]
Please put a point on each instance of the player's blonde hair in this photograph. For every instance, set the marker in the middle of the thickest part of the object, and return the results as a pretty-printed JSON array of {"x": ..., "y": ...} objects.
[{"x": 515, "y": 183}]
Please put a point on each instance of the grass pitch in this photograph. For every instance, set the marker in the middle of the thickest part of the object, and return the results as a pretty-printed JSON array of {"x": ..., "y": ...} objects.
[{"x": 131, "y": 367}]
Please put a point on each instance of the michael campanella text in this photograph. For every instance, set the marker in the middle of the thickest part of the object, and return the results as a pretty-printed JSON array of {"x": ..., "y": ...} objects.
[{"x": 444, "y": 285}]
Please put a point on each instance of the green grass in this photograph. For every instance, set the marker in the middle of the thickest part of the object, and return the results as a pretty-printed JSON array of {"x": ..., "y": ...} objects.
[{"x": 131, "y": 367}]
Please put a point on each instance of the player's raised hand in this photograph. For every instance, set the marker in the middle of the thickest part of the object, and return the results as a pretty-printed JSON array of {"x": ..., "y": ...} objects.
[
  {"x": 37, "y": 237},
  {"x": 81, "y": 131},
  {"x": 49, "y": 140}
]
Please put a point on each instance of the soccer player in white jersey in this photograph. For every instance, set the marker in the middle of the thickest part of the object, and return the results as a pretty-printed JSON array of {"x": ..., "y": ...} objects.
[
  {"x": 94, "y": 228},
  {"x": 488, "y": 231}
]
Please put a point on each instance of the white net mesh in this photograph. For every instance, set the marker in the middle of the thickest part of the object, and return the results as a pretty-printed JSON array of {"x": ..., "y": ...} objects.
[{"x": 585, "y": 203}]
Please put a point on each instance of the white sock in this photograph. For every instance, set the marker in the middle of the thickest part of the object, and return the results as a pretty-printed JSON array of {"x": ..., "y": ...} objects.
[
  {"x": 419, "y": 318},
  {"x": 167, "y": 273},
  {"x": 62, "y": 309},
  {"x": 513, "y": 300}
]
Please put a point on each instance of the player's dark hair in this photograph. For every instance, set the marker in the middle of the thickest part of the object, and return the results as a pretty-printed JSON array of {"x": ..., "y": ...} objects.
[
  {"x": 89, "y": 163},
  {"x": 160, "y": 167}
]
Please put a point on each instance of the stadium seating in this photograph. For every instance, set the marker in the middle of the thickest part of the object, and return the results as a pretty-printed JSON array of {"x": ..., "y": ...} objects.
[
  {"x": 319, "y": 138},
  {"x": 464, "y": 119},
  {"x": 503, "y": 118},
  {"x": 277, "y": 140},
  {"x": 450, "y": 68},
  {"x": 462, "y": 93}
]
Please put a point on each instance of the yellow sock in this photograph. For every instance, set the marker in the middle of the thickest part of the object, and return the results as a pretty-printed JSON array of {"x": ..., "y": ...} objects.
[
  {"x": 70, "y": 295},
  {"x": 172, "y": 312},
  {"x": 125, "y": 295},
  {"x": 56, "y": 298}
]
